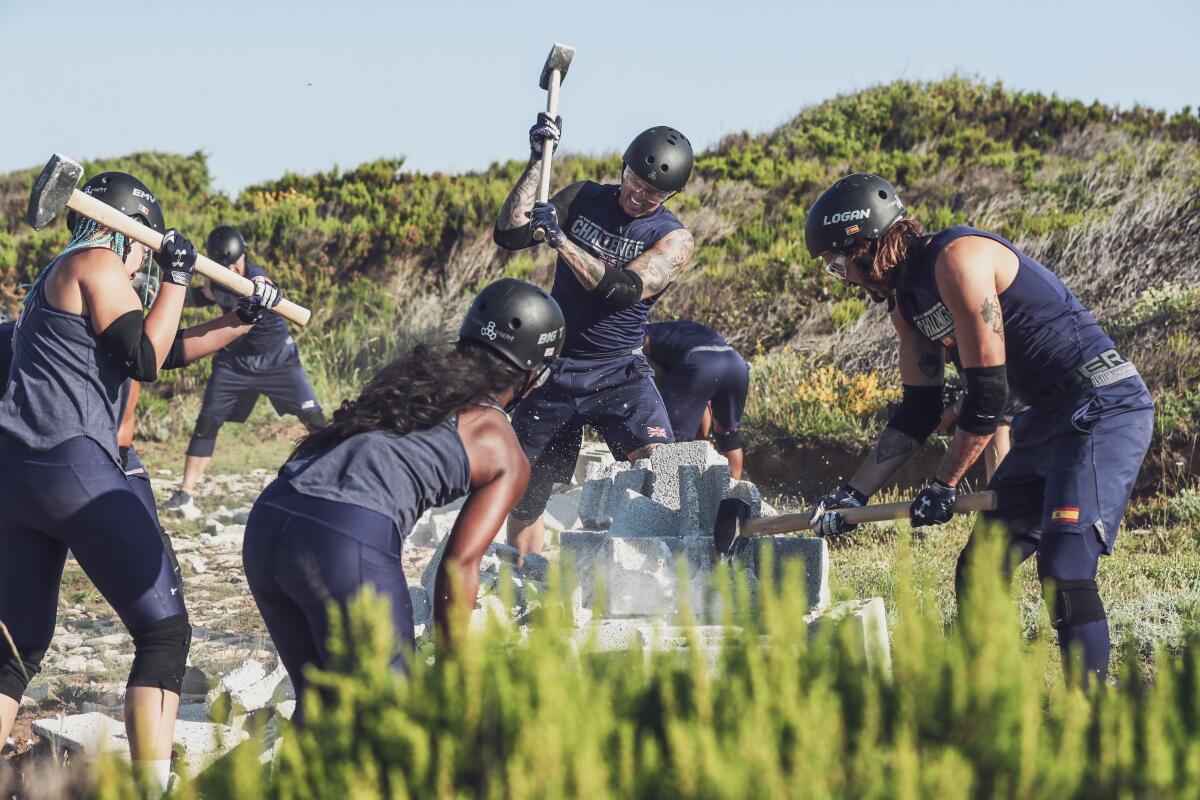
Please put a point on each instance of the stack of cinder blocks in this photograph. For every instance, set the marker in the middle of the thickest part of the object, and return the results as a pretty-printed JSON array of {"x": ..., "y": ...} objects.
[
  {"x": 646, "y": 549},
  {"x": 646, "y": 545}
]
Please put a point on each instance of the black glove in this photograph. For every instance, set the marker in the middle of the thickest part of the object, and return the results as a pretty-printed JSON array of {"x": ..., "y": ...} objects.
[
  {"x": 176, "y": 258},
  {"x": 545, "y": 128},
  {"x": 934, "y": 505},
  {"x": 266, "y": 296},
  {"x": 544, "y": 217},
  {"x": 826, "y": 522}
]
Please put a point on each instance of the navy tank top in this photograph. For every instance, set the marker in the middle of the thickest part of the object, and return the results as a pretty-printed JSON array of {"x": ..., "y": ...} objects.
[
  {"x": 396, "y": 476},
  {"x": 670, "y": 342},
  {"x": 269, "y": 334},
  {"x": 61, "y": 383},
  {"x": 1047, "y": 332},
  {"x": 597, "y": 224}
]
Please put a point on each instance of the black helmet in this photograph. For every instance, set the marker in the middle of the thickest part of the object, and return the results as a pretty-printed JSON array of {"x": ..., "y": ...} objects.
[
  {"x": 225, "y": 245},
  {"x": 859, "y": 206},
  {"x": 662, "y": 157},
  {"x": 126, "y": 194},
  {"x": 517, "y": 320}
]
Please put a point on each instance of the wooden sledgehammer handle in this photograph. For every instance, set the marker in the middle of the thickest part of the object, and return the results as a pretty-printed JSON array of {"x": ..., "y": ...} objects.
[
  {"x": 543, "y": 193},
  {"x": 548, "y": 147},
  {"x": 882, "y": 512},
  {"x": 110, "y": 217}
]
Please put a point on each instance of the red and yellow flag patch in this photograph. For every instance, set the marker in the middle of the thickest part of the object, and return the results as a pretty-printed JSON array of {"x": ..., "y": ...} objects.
[{"x": 1066, "y": 514}]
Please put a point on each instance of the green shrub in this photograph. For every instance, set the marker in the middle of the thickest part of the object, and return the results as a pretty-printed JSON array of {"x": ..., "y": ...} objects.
[{"x": 973, "y": 710}]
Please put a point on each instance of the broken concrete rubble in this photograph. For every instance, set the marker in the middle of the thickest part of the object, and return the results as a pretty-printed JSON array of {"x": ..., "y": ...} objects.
[{"x": 198, "y": 743}]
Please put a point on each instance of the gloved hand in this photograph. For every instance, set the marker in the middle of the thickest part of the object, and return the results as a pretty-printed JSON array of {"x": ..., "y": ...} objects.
[
  {"x": 933, "y": 505},
  {"x": 177, "y": 258},
  {"x": 544, "y": 217},
  {"x": 545, "y": 128},
  {"x": 825, "y": 521},
  {"x": 266, "y": 296}
]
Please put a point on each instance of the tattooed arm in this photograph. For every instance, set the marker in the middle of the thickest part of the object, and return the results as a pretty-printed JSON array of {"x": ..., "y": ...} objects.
[
  {"x": 512, "y": 224},
  {"x": 921, "y": 364},
  {"x": 971, "y": 275},
  {"x": 659, "y": 266}
]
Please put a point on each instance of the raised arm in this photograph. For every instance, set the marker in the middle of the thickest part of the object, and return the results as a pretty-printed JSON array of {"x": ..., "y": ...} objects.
[{"x": 512, "y": 224}]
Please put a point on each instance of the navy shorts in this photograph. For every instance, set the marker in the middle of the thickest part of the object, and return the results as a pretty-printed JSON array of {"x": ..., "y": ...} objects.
[
  {"x": 302, "y": 552},
  {"x": 616, "y": 397},
  {"x": 1064, "y": 486},
  {"x": 719, "y": 375},
  {"x": 74, "y": 497},
  {"x": 237, "y": 382}
]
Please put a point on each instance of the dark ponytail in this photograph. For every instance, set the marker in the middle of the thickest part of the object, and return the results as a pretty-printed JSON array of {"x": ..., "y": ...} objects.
[{"x": 417, "y": 391}]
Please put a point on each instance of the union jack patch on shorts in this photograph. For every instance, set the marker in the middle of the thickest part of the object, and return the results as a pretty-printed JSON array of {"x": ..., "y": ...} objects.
[{"x": 656, "y": 432}]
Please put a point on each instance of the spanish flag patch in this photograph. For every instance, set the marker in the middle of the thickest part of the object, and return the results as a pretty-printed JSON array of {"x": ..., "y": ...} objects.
[{"x": 1067, "y": 514}]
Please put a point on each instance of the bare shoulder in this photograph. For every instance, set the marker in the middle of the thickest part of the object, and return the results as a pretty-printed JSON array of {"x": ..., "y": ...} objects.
[
  {"x": 93, "y": 262},
  {"x": 489, "y": 438},
  {"x": 966, "y": 255}
]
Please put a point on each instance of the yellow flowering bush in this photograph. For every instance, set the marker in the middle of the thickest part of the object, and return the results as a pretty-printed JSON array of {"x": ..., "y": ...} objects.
[{"x": 798, "y": 396}]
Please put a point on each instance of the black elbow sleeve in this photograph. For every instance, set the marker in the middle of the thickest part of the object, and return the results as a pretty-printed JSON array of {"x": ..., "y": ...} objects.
[
  {"x": 175, "y": 359},
  {"x": 987, "y": 392},
  {"x": 619, "y": 288},
  {"x": 514, "y": 239},
  {"x": 126, "y": 343},
  {"x": 919, "y": 413}
]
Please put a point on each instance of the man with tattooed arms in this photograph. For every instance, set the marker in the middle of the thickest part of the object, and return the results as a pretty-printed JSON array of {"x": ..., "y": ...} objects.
[
  {"x": 618, "y": 249},
  {"x": 1064, "y": 486}
]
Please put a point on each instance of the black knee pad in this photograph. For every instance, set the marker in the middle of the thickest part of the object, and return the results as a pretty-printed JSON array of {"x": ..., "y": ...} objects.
[
  {"x": 1076, "y": 603},
  {"x": 16, "y": 672},
  {"x": 160, "y": 653},
  {"x": 313, "y": 419},
  {"x": 204, "y": 436}
]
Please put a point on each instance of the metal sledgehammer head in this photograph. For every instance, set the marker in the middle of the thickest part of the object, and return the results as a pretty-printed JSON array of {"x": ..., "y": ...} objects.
[
  {"x": 52, "y": 190},
  {"x": 559, "y": 59}
]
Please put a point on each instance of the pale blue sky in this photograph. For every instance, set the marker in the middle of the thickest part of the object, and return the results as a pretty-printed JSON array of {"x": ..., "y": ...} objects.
[{"x": 267, "y": 87}]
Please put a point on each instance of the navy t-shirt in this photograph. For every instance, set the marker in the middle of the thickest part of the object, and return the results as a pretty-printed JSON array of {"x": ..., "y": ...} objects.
[
  {"x": 670, "y": 342},
  {"x": 1047, "y": 332},
  {"x": 597, "y": 225},
  {"x": 269, "y": 334}
]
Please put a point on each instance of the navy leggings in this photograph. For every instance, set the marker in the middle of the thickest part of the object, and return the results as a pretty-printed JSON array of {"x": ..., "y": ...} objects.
[
  {"x": 74, "y": 497},
  {"x": 301, "y": 552}
]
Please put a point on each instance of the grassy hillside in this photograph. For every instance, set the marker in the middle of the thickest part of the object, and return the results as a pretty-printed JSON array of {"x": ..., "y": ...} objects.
[{"x": 1108, "y": 198}]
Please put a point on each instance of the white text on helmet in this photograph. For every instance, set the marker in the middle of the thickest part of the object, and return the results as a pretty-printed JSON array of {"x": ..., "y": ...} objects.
[{"x": 847, "y": 216}]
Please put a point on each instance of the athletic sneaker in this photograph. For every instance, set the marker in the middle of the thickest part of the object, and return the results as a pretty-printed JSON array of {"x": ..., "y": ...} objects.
[{"x": 178, "y": 499}]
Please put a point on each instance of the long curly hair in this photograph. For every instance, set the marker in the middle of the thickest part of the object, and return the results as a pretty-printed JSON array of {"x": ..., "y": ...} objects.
[
  {"x": 883, "y": 260},
  {"x": 420, "y": 389}
]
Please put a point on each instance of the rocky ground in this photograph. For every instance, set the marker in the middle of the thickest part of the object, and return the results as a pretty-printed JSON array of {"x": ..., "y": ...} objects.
[{"x": 88, "y": 661}]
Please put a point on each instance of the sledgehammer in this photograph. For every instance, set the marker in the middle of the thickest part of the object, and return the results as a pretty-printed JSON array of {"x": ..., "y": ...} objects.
[
  {"x": 553, "y": 73},
  {"x": 735, "y": 525},
  {"x": 55, "y": 190}
]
